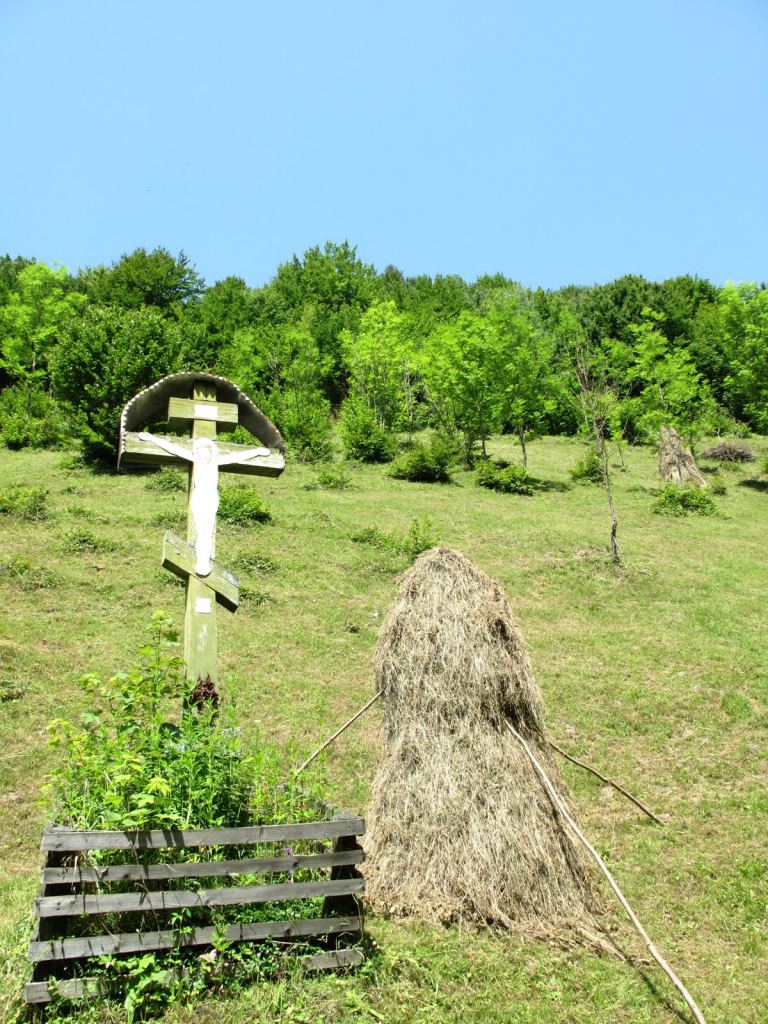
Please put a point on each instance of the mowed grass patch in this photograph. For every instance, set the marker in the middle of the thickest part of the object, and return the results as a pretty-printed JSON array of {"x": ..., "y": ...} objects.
[{"x": 655, "y": 672}]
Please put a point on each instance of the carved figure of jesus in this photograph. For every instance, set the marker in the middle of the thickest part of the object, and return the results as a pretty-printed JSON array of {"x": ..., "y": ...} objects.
[{"x": 204, "y": 489}]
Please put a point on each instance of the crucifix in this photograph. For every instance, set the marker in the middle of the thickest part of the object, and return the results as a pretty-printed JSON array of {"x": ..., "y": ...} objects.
[{"x": 207, "y": 582}]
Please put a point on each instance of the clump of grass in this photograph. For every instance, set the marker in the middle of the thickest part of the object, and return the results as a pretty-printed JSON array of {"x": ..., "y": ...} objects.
[
  {"x": 717, "y": 485},
  {"x": 506, "y": 480},
  {"x": 253, "y": 595},
  {"x": 83, "y": 540},
  {"x": 252, "y": 561},
  {"x": 29, "y": 503},
  {"x": 683, "y": 501},
  {"x": 167, "y": 481},
  {"x": 22, "y": 574},
  {"x": 10, "y": 688},
  {"x": 423, "y": 463},
  {"x": 588, "y": 469},
  {"x": 417, "y": 539},
  {"x": 241, "y": 506},
  {"x": 331, "y": 478}
]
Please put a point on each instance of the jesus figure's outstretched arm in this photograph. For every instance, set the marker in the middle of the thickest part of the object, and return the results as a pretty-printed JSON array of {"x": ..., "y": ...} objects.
[
  {"x": 166, "y": 445},
  {"x": 249, "y": 453}
]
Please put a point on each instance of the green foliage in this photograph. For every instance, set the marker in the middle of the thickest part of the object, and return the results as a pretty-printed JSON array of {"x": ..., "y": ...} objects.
[
  {"x": 167, "y": 480},
  {"x": 31, "y": 418},
  {"x": 140, "y": 279},
  {"x": 252, "y": 561},
  {"x": 331, "y": 478},
  {"x": 425, "y": 463},
  {"x": 30, "y": 503},
  {"x": 81, "y": 539},
  {"x": 128, "y": 765},
  {"x": 507, "y": 479},
  {"x": 717, "y": 485},
  {"x": 242, "y": 506},
  {"x": 418, "y": 538},
  {"x": 20, "y": 571},
  {"x": 108, "y": 356},
  {"x": 683, "y": 501},
  {"x": 380, "y": 362},
  {"x": 588, "y": 469},
  {"x": 363, "y": 436}
]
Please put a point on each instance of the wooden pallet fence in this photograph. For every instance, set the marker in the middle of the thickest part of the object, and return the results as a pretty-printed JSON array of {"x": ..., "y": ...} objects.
[{"x": 74, "y": 895}]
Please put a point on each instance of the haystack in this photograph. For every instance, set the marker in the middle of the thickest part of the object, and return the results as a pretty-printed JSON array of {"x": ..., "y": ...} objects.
[
  {"x": 459, "y": 826},
  {"x": 676, "y": 464}
]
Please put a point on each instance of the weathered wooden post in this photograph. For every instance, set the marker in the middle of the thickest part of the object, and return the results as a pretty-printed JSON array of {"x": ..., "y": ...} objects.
[{"x": 205, "y": 405}]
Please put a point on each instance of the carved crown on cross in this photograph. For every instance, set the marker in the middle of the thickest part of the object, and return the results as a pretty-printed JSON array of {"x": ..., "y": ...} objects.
[{"x": 205, "y": 405}]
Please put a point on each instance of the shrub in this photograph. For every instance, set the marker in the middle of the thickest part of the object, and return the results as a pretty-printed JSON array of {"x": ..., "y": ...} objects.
[
  {"x": 167, "y": 480},
  {"x": 31, "y": 418},
  {"x": 682, "y": 501},
  {"x": 717, "y": 485},
  {"x": 727, "y": 451},
  {"x": 362, "y": 435},
  {"x": 588, "y": 469},
  {"x": 241, "y": 506},
  {"x": 28, "y": 503},
  {"x": 330, "y": 478},
  {"x": 83, "y": 540},
  {"x": 418, "y": 538},
  {"x": 425, "y": 463},
  {"x": 509, "y": 480}
]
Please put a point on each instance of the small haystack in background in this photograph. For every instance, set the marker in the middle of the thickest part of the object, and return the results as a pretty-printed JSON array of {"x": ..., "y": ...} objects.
[
  {"x": 676, "y": 464},
  {"x": 459, "y": 826},
  {"x": 729, "y": 451}
]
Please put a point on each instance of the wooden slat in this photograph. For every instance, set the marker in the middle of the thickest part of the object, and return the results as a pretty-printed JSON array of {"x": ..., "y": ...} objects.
[
  {"x": 179, "y": 558},
  {"x": 182, "y": 411},
  {"x": 135, "y": 942},
  {"x": 145, "y": 453},
  {"x": 118, "y": 903},
  {"x": 78, "y": 874},
  {"x": 74, "y": 988},
  {"x": 75, "y": 840},
  {"x": 333, "y": 959}
]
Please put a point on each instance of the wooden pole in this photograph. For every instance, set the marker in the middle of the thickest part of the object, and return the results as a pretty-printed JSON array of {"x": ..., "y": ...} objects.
[{"x": 200, "y": 643}]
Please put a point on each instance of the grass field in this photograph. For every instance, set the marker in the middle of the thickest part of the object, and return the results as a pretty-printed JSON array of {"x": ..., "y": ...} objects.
[{"x": 656, "y": 673}]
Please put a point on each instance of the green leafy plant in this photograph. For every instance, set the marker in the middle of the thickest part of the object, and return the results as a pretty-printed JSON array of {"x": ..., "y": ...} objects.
[
  {"x": 418, "y": 538},
  {"x": 252, "y": 561},
  {"x": 717, "y": 485},
  {"x": 331, "y": 478},
  {"x": 30, "y": 503},
  {"x": 683, "y": 501},
  {"x": 167, "y": 480},
  {"x": 31, "y": 418},
  {"x": 425, "y": 463},
  {"x": 242, "y": 506},
  {"x": 363, "y": 437},
  {"x": 588, "y": 469},
  {"x": 21, "y": 573},
  {"x": 84, "y": 540},
  {"x": 506, "y": 479}
]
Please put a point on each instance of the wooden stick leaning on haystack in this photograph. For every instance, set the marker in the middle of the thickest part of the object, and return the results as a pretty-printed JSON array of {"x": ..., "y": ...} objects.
[{"x": 676, "y": 463}]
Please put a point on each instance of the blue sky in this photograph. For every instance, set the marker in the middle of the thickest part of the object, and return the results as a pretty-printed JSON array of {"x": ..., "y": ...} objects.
[{"x": 554, "y": 142}]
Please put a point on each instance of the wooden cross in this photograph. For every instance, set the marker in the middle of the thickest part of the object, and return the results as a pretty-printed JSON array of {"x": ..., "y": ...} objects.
[{"x": 207, "y": 582}]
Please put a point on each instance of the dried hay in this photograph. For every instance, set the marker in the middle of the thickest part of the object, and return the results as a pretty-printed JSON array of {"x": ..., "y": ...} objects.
[
  {"x": 676, "y": 464},
  {"x": 459, "y": 826}
]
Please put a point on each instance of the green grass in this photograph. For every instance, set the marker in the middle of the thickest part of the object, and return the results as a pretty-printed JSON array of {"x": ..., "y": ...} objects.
[{"x": 657, "y": 673}]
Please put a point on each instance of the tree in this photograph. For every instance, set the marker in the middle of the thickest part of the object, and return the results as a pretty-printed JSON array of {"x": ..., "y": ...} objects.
[
  {"x": 144, "y": 278},
  {"x": 744, "y": 313},
  {"x": 107, "y": 356},
  {"x": 463, "y": 366},
  {"x": 33, "y": 320},
  {"x": 527, "y": 372},
  {"x": 379, "y": 361}
]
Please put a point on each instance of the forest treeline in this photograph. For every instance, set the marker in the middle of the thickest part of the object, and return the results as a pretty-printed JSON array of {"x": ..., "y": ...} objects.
[{"x": 330, "y": 338}]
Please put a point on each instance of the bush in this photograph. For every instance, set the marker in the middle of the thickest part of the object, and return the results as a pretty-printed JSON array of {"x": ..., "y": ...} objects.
[
  {"x": 588, "y": 469},
  {"x": 683, "y": 501},
  {"x": 331, "y": 478},
  {"x": 425, "y": 463},
  {"x": 79, "y": 540},
  {"x": 241, "y": 506},
  {"x": 509, "y": 480},
  {"x": 418, "y": 538},
  {"x": 31, "y": 418},
  {"x": 30, "y": 503},
  {"x": 167, "y": 480},
  {"x": 727, "y": 451},
  {"x": 717, "y": 485},
  {"x": 362, "y": 435}
]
